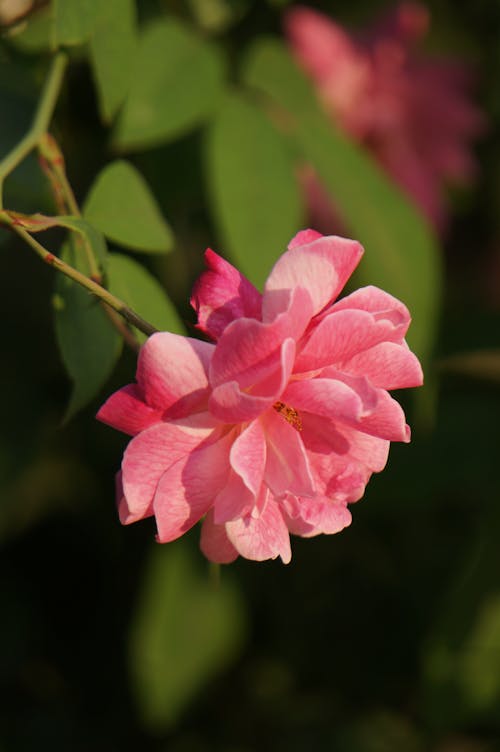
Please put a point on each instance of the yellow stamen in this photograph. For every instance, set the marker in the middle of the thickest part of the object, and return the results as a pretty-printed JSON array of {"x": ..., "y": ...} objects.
[{"x": 290, "y": 415}]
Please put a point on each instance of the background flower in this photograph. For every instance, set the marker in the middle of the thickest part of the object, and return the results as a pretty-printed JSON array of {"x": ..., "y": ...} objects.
[{"x": 411, "y": 110}]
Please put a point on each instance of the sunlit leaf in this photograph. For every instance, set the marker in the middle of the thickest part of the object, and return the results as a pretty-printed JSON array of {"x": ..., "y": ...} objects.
[
  {"x": 176, "y": 84},
  {"x": 112, "y": 51},
  {"x": 186, "y": 631},
  {"x": 88, "y": 343},
  {"x": 481, "y": 364},
  {"x": 121, "y": 205},
  {"x": 133, "y": 284},
  {"x": 74, "y": 20},
  {"x": 253, "y": 188},
  {"x": 401, "y": 251}
]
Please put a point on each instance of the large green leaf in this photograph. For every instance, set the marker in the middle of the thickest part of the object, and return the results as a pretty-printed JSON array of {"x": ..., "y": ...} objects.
[
  {"x": 133, "y": 284},
  {"x": 401, "y": 252},
  {"x": 89, "y": 344},
  {"x": 176, "y": 84},
  {"x": 121, "y": 205},
  {"x": 186, "y": 630},
  {"x": 112, "y": 52},
  {"x": 74, "y": 20},
  {"x": 253, "y": 189}
]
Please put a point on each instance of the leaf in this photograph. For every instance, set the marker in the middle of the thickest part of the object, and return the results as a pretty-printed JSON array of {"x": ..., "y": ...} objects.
[
  {"x": 112, "y": 51},
  {"x": 186, "y": 631},
  {"x": 401, "y": 252},
  {"x": 481, "y": 364},
  {"x": 89, "y": 344},
  {"x": 74, "y": 20},
  {"x": 255, "y": 197},
  {"x": 133, "y": 284},
  {"x": 121, "y": 205},
  {"x": 176, "y": 84}
]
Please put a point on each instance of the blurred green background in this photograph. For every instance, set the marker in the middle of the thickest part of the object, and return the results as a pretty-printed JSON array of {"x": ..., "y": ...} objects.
[{"x": 384, "y": 637}]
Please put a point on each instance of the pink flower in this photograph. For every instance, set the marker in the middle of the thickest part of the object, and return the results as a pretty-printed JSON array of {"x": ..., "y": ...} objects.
[
  {"x": 278, "y": 426},
  {"x": 412, "y": 112}
]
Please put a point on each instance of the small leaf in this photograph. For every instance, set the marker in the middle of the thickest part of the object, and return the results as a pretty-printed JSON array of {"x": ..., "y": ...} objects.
[
  {"x": 253, "y": 188},
  {"x": 175, "y": 86},
  {"x": 112, "y": 51},
  {"x": 133, "y": 284},
  {"x": 186, "y": 631},
  {"x": 401, "y": 252},
  {"x": 89, "y": 344},
  {"x": 121, "y": 205},
  {"x": 74, "y": 20},
  {"x": 481, "y": 364}
]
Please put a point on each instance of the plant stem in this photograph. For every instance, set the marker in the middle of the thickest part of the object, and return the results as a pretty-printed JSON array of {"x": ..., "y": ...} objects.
[
  {"x": 41, "y": 120},
  {"x": 93, "y": 287}
]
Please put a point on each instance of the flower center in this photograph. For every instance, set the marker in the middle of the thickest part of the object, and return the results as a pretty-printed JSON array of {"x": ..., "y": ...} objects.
[{"x": 290, "y": 415}]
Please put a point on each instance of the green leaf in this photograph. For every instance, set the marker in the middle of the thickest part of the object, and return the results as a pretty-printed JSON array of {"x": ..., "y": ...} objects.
[
  {"x": 255, "y": 197},
  {"x": 121, "y": 205},
  {"x": 186, "y": 631},
  {"x": 479, "y": 364},
  {"x": 401, "y": 252},
  {"x": 74, "y": 20},
  {"x": 175, "y": 86},
  {"x": 112, "y": 51},
  {"x": 89, "y": 344},
  {"x": 133, "y": 284}
]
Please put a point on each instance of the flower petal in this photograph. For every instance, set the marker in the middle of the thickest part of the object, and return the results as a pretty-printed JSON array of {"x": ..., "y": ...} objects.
[
  {"x": 233, "y": 500},
  {"x": 230, "y": 404},
  {"x": 387, "y": 365},
  {"x": 322, "y": 267},
  {"x": 340, "y": 336},
  {"x": 214, "y": 542},
  {"x": 332, "y": 397},
  {"x": 262, "y": 537},
  {"x": 187, "y": 490},
  {"x": 126, "y": 411},
  {"x": 248, "y": 350},
  {"x": 387, "y": 421},
  {"x": 309, "y": 517},
  {"x": 287, "y": 467},
  {"x": 221, "y": 295},
  {"x": 382, "y": 305},
  {"x": 147, "y": 457},
  {"x": 172, "y": 373},
  {"x": 248, "y": 456}
]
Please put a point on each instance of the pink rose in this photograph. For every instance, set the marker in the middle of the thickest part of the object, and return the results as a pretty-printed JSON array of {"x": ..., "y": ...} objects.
[
  {"x": 412, "y": 112},
  {"x": 278, "y": 426}
]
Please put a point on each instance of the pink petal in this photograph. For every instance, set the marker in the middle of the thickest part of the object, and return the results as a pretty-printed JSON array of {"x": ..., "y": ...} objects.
[
  {"x": 172, "y": 373},
  {"x": 341, "y": 335},
  {"x": 309, "y": 517},
  {"x": 230, "y": 404},
  {"x": 322, "y": 267},
  {"x": 332, "y": 397},
  {"x": 262, "y": 537},
  {"x": 383, "y": 306},
  {"x": 124, "y": 513},
  {"x": 388, "y": 366},
  {"x": 188, "y": 488},
  {"x": 233, "y": 500},
  {"x": 147, "y": 457},
  {"x": 387, "y": 420},
  {"x": 248, "y": 350},
  {"x": 303, "y": 238},
  {"x": 287, "y": 467},
  {"x": 214, "y": 542},
  {"x": 221, "y": 295},
  {"x": 248, "y": 456},
  {"x": 126, "y": 411}
]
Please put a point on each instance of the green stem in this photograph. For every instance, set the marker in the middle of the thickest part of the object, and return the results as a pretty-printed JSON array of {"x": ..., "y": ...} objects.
[
  {"x": 100, "y": 292},
  {"x": 41, "y": 120}
]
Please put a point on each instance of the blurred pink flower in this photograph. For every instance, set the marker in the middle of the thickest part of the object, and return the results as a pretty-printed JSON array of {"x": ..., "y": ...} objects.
[
  {"x": 412, "y": 112},
  {"x": 278, "y": 426}
]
